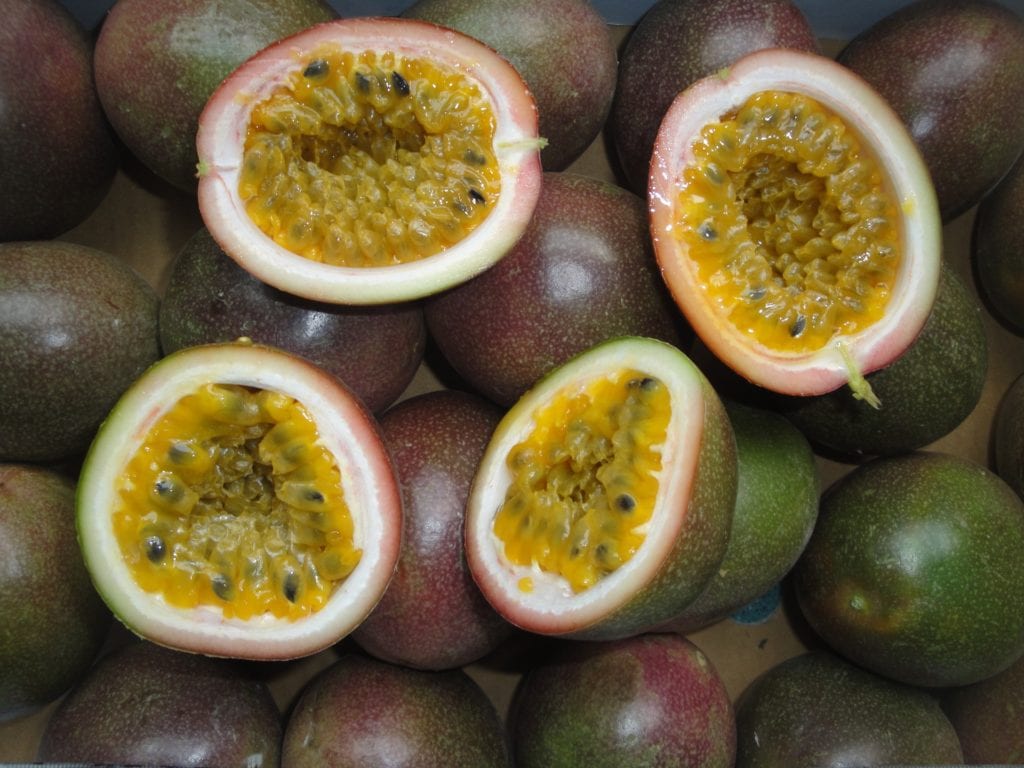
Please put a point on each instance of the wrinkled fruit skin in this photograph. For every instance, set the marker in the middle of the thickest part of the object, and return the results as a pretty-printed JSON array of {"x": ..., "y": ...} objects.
[
  {"x": 582, "y": 707},
  {"x": 361, "y": 712},
  {"x": 562, "y": 48},
  {"x": 678, "y": 42},
  {"x": 954, "y": 72},
  {"x": 988, "y": 717},
  {"x": 158, "y": 63},
  {"x": 56, "y": 149},
  {"x": 54, "y": 622},
  {"x": 77, "y": 326},
  {"x": 583, "y": 272},
  {"x": 210, "y": 298},
  {"x": 146, "y": 705},
  {"x": 946, "y": 364},
  {"x": 432, "y": 615},
  {"x": 816, "y": 709},
  {"x": 914, "y": 570},
  {"x": 999, "y": 248}
]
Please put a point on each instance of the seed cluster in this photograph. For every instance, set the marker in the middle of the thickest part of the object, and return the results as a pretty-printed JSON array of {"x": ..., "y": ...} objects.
[
  {"x": 232, "y": 502},
  {"x": 368, "y": 160},
  {"x": 584, "y": 481},
  {"x": 790, "y": 223}
]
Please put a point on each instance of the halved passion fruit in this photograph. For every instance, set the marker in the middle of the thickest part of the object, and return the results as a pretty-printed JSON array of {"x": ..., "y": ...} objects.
[
  {"x": 238, "y": 501},
  {"x": 369, "y": 160},
  {"x": 603, "y": 503},
  {"x": 794, "y": 222}
]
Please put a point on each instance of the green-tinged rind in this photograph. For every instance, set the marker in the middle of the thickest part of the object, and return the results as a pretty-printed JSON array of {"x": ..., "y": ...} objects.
[
  {"x": 77, "y": 326},
  {"x": 652, "y": 700},
  {"x": 776, "y": 508},
  {"x": 145, "y": 705},
  {"x": 954, "y": 72},
  {"x": 54, "y": 623},
  {"x": 157, "y": 64},
  {"x": 925, "y": 393},
  {"x": 989, "y": 717},
  {"x": 999, "y": 248},
  {"x": 344, "y": 427},
  {"x": 914, "y": 570},
  {"x": 689, "y": 527},
  {"x": 362, "y": 712},
  {"x": 817, "y": 709}
]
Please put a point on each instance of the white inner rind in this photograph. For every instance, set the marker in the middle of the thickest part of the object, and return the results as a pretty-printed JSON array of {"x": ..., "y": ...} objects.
[
  {"x": 552, "y": 607},
  {"x": 884, "y": 134},
  {"x": 370, "y": 493},
  {"x": 220, "y": 144}
]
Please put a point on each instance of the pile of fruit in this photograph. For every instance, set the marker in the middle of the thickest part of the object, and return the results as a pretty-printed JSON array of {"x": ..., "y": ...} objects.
[{"x": 479, "y": 379}]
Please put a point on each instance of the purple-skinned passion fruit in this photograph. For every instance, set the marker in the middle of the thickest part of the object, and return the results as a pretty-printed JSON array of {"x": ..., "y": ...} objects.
[
  {"x": 795, "y": 222},
  {"x": 603, "y": 503},
  {"x": 369, "y": 160},
  {"x": 239, "y": 501}
]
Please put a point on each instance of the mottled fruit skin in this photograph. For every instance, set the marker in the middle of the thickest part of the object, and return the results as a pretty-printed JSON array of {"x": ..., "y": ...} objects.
[
  {"x": 999, "y": 248},
  {"x": 361, "y": 712},
  {"x": 1008, "y": 436},
  {"x": 562, "y": 48},
  {"x": 989, "y": 717},
  {"x": 157, "y": 64},
  {"x": 432, "y": 615},
  {"x": 776, "y": 508},
  {"x": 954, "y": 72},
  {"x": 57, "y": 150},
  {"x": 142, "y": 704},
  {"x": 816, "y": 710},
  {"x": 914, "y": 570},
  {"x": 210, "y": 298},
  {"x": 651, "y": 700},
  {"x": 676, "y": 43},
  {"x": 54, "y": 622},
  {"x": 583, "y": 272},
  {"x": 77, "y": 326},
  {"x": 947, "y": 363}
]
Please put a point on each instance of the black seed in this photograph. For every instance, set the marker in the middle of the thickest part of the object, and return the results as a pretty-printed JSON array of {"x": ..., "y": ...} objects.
[
  {"x": 313, "y": 494},
  {"x": 167, "y": 488},
  {"x": 707, "y": 231},
  {"x": 714, "y": 175},
  {"x": 574, "y": 552},
  {"x": 624, "y": 502},
  {"x": 476, "y": 196},
  {"x": 601, "y": 552},
  {"x": 646, "y": 384},
  {"x": 758, "y": 293},
  {"x": 155, "y": 547},
  {"x": 474, "y": 158},
  {"x": 363, "y": 82},
  {"x": 180, "y": 452},
  {"x": 316, "y": 68},
  {"x": 400, "y": 83},
  {"x": 291, "y": 586},
  {"x": 461, "y": 207},
  {"x": 221, "y": 586},
  {"x": 798, "y": 326}
]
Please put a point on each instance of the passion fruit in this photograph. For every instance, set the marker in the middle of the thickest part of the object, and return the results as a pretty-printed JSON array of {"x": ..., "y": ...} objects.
[
  {"x": 239, "y": 501},
  {"x": 794, "y": 222},
  {"x": 369, "y": 160},
  {"x": 999, "y": 248},
  {"x": 603, "y": 503}
]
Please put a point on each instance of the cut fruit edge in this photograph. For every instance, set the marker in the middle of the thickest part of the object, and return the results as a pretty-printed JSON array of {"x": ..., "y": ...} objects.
[
  {"x": 517, "y": 145},
  {"x": 367, "y": 481},
  {"x": 875, "y": 122},
  {"x": 552, "y": 608}
]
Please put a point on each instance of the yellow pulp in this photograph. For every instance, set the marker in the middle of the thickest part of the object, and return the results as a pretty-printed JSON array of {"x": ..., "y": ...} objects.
[
  {"x": 584, "y": 481},
  {"x": 370, "y": 159},
  {"x": 232, "y": 502},
  {"x": 793, "y": 230}
]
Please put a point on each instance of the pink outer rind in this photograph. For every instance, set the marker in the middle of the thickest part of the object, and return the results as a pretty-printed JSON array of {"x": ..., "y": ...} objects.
[
  {"x": 877, "y": 124},
  {"x": 344, "y": 425},
  {"x": 220, "y": 140}
]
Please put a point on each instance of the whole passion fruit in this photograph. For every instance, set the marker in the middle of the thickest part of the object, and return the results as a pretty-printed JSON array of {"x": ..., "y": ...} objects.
[
  {"x": 239, "y": 501},
  {"x": 369, "y": 160},
  {"x": 795, "y": 222},
  {"x": 603, "y": 503}
]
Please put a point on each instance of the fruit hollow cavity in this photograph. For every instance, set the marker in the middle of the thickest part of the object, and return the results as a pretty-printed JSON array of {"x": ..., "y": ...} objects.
[
  {"x": 584, "y": 481},
  {"x": 788, "y": 218},
  {"x": 370, "y": 159},
  {"x": 233, "y": 502}
]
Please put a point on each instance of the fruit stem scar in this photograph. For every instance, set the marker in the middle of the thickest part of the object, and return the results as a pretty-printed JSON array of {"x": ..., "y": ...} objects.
[{"x": 860, "y": 386}]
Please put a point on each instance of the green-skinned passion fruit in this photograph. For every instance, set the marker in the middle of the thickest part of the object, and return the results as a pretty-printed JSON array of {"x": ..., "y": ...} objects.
[
  {"x": 795, "y": 222},
  {"x": 239, "y": 501},
  {"x": 369, "y": 160},
  {"x": 603, "y": 503}
]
